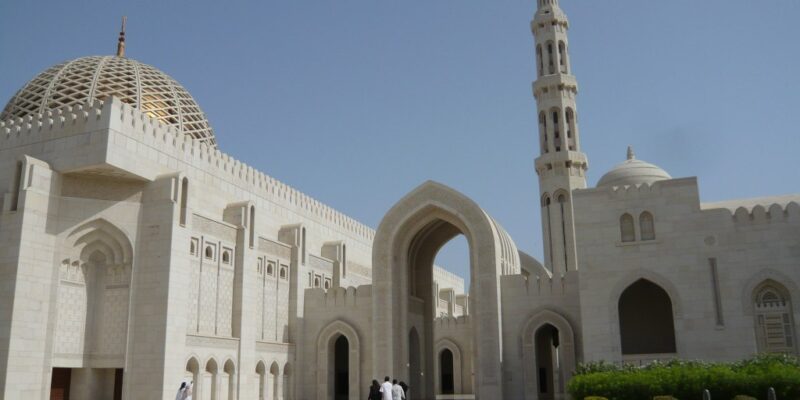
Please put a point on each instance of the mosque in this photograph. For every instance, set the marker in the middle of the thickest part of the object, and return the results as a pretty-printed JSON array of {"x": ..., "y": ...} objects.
[{"x": 136, "y": 254}]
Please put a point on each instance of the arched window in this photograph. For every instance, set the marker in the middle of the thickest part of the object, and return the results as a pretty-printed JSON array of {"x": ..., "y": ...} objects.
[
  {"x": 252, "y": 226},
  {"x": 327, "y": 284},
  {"x": 184, "y": 200},
  {"x": 283, "y": 272},
  {"x": 646, "y": 322},
  {"x": 303, "y": 246},
  {"x": 344, "y": 261},
  {"x": 571, "y": 132},
  {"x": 209, "y": 253},
  {"x": 562, "y": 57},
  {"x": 647, "y": 226},
  {"x": 543, "y": 131},
  {"x": 556, "y": 133},
  {"x": 316, "y": 282},
  {"x": 270, "y": 269},
  {"x": 226, "y": 257},
  {"x": 627, "y": 231},
  {"x": 539, "y": 61},
  {"x": 550, "y": 64},
  {"x": 17, "y": 186},
  {"x": 774, "y": 322},
  {"x": 562, "y": 200},
  {"x": 548, "y": 220}
]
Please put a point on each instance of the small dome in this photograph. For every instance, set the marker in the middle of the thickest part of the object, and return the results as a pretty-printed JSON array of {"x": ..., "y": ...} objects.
[
  {"x": 89, "y": 78},
  {"x": 633, "y": 172}
]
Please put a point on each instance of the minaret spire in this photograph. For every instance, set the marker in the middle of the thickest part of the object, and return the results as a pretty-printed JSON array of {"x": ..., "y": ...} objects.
[
  {"x": 121, "y": 40},
  {"x": 561, "y": 166},
  {"x": 631, "y": 155}
]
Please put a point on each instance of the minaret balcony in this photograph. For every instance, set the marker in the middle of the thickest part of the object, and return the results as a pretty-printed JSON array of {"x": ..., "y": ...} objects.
[{"x": 552, "y": 82}]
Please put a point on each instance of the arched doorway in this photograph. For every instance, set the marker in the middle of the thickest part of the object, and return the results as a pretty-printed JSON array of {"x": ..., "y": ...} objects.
[
  {"x": 414, "y": 369},
  {"x": 548, "y": 364},
  {"x": 341, "y": 369},
  {"x": 549, "y": 355},
  {"x": 405, "y": 245},
  {"x": 339, "y": 352},
  {"x": 446, "y": 372},
  {"x": 646, "y": 321}
]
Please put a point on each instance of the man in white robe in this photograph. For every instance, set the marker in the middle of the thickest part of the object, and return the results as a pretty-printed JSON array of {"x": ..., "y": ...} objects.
[
  {"x": 386, "y": 389},
  {"x": 397, "y": 391}
]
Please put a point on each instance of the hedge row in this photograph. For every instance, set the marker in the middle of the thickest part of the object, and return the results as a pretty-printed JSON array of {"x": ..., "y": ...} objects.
[{"x": 686, "y": 380}]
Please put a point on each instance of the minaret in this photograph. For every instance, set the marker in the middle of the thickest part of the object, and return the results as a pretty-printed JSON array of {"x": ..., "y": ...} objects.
[{"x": 561, "y": 166}]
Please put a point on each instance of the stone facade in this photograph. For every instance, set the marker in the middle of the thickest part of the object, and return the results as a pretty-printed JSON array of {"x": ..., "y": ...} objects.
[{"x": 136, "y": 256}]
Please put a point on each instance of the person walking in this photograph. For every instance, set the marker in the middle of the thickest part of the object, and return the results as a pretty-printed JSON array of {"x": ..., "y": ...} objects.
[
  {"x": 386, "y": 389},
  {"x": 397, "y": 391},
  {"x": 405, "y": 389},
  {"x": 375, "y": 391}
]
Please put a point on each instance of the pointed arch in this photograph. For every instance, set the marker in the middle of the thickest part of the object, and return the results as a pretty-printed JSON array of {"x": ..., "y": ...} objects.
[
  {"x": 568, "y": 348},
  {"x": 103, "y": 236},
  {"x": 261, "y": 371},
  {"x": 274, "y": 379},
  {"x": 405, "y": 244},
  {"x": 210, "y": 379},
  {"x": 646, "y": 319},
  {"x": 326, "y": 342},
  {"x": 457, "y": 367}
]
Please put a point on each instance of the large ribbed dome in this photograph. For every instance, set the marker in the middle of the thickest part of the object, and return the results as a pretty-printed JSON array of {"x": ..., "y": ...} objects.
[
  {"x": 633, "y": 172},
  {"x": 85, "y": 79}
]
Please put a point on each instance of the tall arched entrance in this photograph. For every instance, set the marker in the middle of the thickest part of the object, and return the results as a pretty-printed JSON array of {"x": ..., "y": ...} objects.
[
  {"x": 406, "y": 243},
  {"x": 94, "y": 280},
  {"x": 646, "y": 321}
]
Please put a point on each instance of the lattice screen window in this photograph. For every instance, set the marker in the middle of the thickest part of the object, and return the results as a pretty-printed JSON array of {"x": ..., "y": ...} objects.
[
  {"x": 87, "y": 79},
  {"x": 774, "y": 326}
]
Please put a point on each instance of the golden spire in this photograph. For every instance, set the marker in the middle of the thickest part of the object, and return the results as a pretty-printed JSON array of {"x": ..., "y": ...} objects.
[{"x": 121, "y": 41}]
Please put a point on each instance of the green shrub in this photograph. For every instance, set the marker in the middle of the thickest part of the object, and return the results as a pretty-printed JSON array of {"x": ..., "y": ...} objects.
[
  {"x": 687, "y": 379},
  {"x": 594, "y": 398},
  {"x": 743, "y": 397}
]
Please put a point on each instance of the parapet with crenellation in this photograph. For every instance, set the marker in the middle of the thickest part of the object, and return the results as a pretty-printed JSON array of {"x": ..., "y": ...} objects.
[
  {"x": 147, "y": 148},
  {"x": 54, "y": 124},
  {"x": 339, "y": 297}
]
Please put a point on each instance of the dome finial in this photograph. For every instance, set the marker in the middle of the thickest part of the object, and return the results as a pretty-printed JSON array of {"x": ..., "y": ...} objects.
[
  {"x": 631, "y": 156},
  {"x": 121, "y": 41}
]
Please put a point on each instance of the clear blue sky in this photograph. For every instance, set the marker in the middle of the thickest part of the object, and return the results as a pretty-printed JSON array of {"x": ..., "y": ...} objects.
[{"x": 356, "y": 102}]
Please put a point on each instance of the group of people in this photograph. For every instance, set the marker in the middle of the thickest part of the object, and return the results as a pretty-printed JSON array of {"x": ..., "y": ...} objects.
[
  {"x": 185, "y": 391},
  {"x": 388, "y": 390}
]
